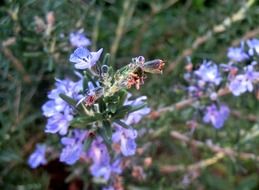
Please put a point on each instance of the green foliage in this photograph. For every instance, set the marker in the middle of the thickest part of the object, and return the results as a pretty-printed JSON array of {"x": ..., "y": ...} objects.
[{"x": 32, "y": 55}]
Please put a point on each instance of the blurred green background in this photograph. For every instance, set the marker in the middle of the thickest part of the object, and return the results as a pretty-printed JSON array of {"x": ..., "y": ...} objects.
[{"x": 33, "y": 53}]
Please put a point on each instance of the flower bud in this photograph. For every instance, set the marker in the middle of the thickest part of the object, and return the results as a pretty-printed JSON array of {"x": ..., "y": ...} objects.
[
  {"x": 92, "y": 96},
  {"x": 154, "y": 66},
  {"x": 140, "y": 60}
]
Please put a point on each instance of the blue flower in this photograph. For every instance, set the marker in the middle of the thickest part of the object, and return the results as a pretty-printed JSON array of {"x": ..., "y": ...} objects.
[
  {"x": 99, "y": 154},
  {"x": 58, "y": 123},
  {"x": 250, "y": 73},
  {"x": 38, "y": 156},
  {"x": 244, "y": 82},
  {"x": 216, "y": 116},
  {"x": 240, "y": 85},
  {"x": 78, "y": 39},
  {"x": 49, "y": 108},
  {"x": 126, "y": 139},
  {"x": 209, "y": 72},
  {"x": 58, "y": 111},
  {"x": 106, "y": 170},
  {"x": 84, "y": 59},
  {"x": 136, "y": 116},
  {"x": 108, "y": 188},
  {"x": 237, "y": 54},
  {"x": 73, "y": 147}
]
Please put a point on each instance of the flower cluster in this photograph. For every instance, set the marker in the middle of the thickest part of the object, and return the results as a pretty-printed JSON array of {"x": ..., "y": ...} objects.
[
  {"x": 58, "y": 112},
  {"x": 239, "y": 75},
  {"x": 94, "y": 116},
  {"x": 242, "y": 73}
]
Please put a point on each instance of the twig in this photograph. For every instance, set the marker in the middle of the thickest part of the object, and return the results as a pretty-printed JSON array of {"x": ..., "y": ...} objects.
[
  {"x": 199, "y": 165},
  {"x": 17, "y": 104},
  {"x": 185, "y": 103},
  {"x": 17, "y": 64},
  {"x": 223, "y": 26},
  {"x": 96, "y": 29},
  {"x": 249, "y": 117},
  {"x": 217, "y": 149},
  {"x": 220, "y": 154},
  {"x": 248, "y": 35},
  {"x": 128, "y": 9}
]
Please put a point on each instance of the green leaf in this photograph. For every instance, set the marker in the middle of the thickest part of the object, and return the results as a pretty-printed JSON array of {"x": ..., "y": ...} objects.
[
  {"x": 108, "y": 128},
  {"x": 107, "y": 59},
  {"x": 89, "y": 77},
  {"x": 102, "y": 105},
  {"x": 138, "y": 107},
  {"x": 112, "y": 108},
  {"x": 121, "y": 112},
  {"x": 106, "y": 133},
  {"x": 68, "y": 100},
  {"x": 119, "y": 122},
  {"x": 122, "y": 97},
  {"x": 85, "y": 84},
  {"x": 82, "y": 122},
  {"x": 73, "y": 103},
  {"x": 88, "y": 143}
]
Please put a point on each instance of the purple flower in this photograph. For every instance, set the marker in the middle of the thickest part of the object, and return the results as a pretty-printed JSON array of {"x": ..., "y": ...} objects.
[
  {"x": 78, "y": 39},
  {"x": 253, "y": 45},
  {"x": 49, "y": 108},
  {"x": 84, "y": 59},
  {"x": 57, "y": 104},
  {"x": 237, "y": 54},
  {"x": 59, "y": 113},
  {"x": 240, "y": 85},
  {"x": 73, "y": 147},
  {"x": 244, "y": 82},
  {"x": 209, "y": 72},
  {"x": 58, "y": 123},
  {"x": 38, "y": 156},
  {"x": 105, "y": 170},
  {"x": 99, "y": 154},
  {"x": 216, "y": 116},
  {"x": 136, "y": 116},
  {"x": 250, "y": 73},
  {"x": 67, "y": 87},
  {"x": 126, "y": 139},
  {"x": 108, "y": 188}
]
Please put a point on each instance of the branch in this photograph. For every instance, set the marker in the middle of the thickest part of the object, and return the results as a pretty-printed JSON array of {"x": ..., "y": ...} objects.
[
  {"x": 192, "y": 167},
  {"x": 17, "y": 64},
  {"x": 185, "y": 103},
  {"x": 128, "y": 9},
  {"x": 223, "y": 26},
  {"x": 249, "y": 117},
  {"x": 215, "y": 148},
  {"x": 247, "y": 35},
  {"x": 220, "y": 154}
]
